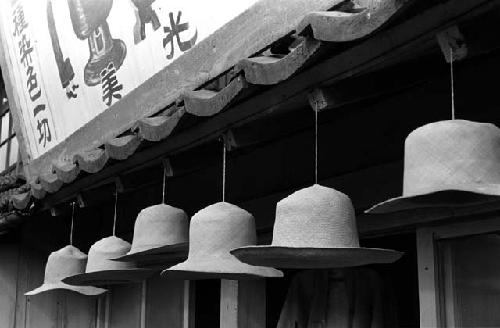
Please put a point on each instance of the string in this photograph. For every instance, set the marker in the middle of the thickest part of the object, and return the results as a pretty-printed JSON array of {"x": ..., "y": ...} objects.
[
  {"x": 164, "y": 183},
  {"x": 114, "y": 218},
  {"x": 223, "y": 170},
  {"x": 452, "y": 85},
  {"x": 315, "y": 146},
  {"x": 72, "y": 222}
]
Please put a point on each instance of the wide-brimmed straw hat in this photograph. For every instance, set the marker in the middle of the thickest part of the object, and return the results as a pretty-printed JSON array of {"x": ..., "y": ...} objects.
[
  {"x": 448, "y": 164},
  {"x": 102, "y": 270},
  {"x": 161, "y": 233},
  {"x": 63, "y": 263},
  {"x": 213, "y": 232},
  {"x": 315, "y": 227}
]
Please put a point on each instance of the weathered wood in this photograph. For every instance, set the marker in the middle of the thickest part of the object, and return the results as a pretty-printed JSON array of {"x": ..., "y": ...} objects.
[
  {"x": 451, "y": 41},
  {"x": 121, "y": 148},
  {"x": 269, "y": 70},
  {"x": 50, "y": 182},
  {"x": 76, "y": 310},
  {"x": 335, "y": 26},
  {"x": 426, "y": 279},
  {"x": 21, "y": 201},
  {"x": 9, "y": 256},
  {"x": 66, "y": 171},
  {"x": 362, "y": 57},
  {"x": 91, "y": 161},
  {"x": 125, "y": 306},
  {"x": 167, "y": 295},
  {"x": 158, "y": 127},
  {"x": 188, "y": 305},
  {"x": 321, "y": 99},
  {"x": 243, "y": 304},
  {"x": 208, "y": 103},
  {"x": 37, "y": 190}
]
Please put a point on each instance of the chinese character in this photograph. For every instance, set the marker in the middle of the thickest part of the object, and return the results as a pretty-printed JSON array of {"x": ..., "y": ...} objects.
[
  {"x": 18, "y": 20},
  {"x": 39, "y": 108},
  {"x": 110, "y": 86},
  {"x": 44, "y": 131},
  {"x": 174, "y": 31},
  {"x": 25, "y": 50},
  {"x": 32, "y": 84}
]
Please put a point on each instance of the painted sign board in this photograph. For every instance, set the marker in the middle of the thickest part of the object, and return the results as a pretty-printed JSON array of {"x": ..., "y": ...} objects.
[{"x": 70, "y": 60}]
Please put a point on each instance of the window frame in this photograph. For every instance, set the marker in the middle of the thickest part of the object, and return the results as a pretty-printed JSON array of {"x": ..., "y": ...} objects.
[{"x": 431, "y": 296}]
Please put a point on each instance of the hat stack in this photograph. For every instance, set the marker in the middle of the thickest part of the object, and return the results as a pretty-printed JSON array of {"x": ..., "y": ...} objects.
[
  {"x": 448, "y": 164},
  {"x": 315, "y": 227},
  {"x": 67, "y": 261},
  {"x": 161, "y": 234},
  {"x": 213, "y": 232},
  {"x": 103, "y": 270}
]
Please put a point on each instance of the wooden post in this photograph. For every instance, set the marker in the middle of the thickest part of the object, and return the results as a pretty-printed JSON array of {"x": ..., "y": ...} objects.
[
  {"x": 243, "y": 304},
  {"x": 189, "y": 305},
  {"x": 426, "y": 278}
]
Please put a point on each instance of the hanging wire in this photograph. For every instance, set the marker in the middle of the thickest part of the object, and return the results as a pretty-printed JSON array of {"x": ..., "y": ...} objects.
[
  {"x": 452, "y": 85},
  {"x": 72, "y": 223},
  {"x": 316, "y": 146},
  {"x": 114, "y": 218},
  {"x": 164, "y": 184},
  {"x": 223, "y": 169}
]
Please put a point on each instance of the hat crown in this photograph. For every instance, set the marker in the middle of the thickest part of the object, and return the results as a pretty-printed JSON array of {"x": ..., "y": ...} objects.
[
  {"x": 159, "y": 225},
  {"x": 316, "y": 217},
  {"x": 103, "y": 251},
  {"x": 449, "y": 155},
  {"x": 218, "y": 228},
  {"x": 67, "y": 261}
]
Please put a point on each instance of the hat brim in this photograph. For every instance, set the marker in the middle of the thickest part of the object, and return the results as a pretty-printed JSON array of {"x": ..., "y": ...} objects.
[
  {"x": 84, "y": 290},
  {"x": 109, "y": 277},
  {"x": 314, "y": 258},
  {"x": 440, "y": 199},
  {"x": 169, "y": 253},
  {"x": 230, "y": 269}
]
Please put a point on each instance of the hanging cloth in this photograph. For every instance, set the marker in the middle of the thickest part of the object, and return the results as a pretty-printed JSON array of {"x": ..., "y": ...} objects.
[{"x": 346, "y": 298}]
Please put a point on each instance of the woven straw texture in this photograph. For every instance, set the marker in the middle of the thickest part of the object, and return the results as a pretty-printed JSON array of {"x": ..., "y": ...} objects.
[
  {"x": 158, "y": 226},
  {"x": 315, "y": 227},
  {"x": 67, "y": 261},
  {"x": 448, "y": 163},
  {"x": 215, "y": 230},
  {"x": 103, "y": 270}
]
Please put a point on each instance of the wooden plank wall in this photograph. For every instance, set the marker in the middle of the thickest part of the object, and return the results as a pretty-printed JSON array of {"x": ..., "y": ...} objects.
[{"x": 156, "y": 303}]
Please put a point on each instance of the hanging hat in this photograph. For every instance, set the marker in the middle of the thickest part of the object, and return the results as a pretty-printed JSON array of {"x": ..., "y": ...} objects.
[
  {"x": 448, "y": 164},
  {"x": 214, "y": 231},
  {"x": 161, "y": 233},
  {"x": 315, "y": 227},
  {"x": 102, "y": 270},
  {"x": 63, "y": 263}
]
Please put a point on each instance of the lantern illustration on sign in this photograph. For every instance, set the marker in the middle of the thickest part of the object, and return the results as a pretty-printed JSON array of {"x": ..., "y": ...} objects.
[
  {"x": 89, "y": 23},
  {"x": 145, "y": 15}
]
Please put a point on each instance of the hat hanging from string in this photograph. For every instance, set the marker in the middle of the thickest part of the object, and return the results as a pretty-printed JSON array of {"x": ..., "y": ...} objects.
[
  {"x": 219, "y": 228},
  {"x": 102, "y": 269},
  {"x": 160, "y": 232},
  {"x": 435, "y": 176}
]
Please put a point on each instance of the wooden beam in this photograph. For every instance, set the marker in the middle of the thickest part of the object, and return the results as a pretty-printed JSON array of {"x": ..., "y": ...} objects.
[{"x": 356, "y": 60}]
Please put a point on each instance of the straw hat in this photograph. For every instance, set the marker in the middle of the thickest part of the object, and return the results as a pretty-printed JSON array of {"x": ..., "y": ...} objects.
[
  {"x": 63, "y": 263},
  {"x": 448, "y": 164},
  {"x": 213, "y": 232},
  {"x": 315, "y": 227},
  {"x": 102, "y": 270},
  {"x": 161, "y": 232}
]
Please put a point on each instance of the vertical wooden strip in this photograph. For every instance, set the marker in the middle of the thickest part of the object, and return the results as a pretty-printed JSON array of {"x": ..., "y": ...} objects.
[
  {"x": 449, "y": 289},
  {"x": 144, "y": 294},
  {"x": 188, "y": 320},
  {"x": 9, "y": 257},
  {"x": 427, "y": 278},
  {"x": 252, "y": 304},
  {"x": 229, "y": 304}
]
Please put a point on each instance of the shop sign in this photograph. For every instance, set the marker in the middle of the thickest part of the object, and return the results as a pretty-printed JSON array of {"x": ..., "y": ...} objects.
[{"x": 70, "y": 60}]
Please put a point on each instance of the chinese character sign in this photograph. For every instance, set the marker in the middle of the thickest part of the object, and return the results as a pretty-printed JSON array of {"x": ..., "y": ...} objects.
[{"x": 69, "y": 60}]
